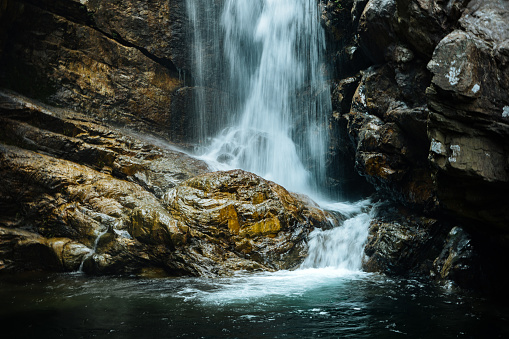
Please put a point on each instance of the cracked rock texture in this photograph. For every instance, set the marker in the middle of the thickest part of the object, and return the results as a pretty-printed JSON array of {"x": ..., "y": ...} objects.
[{"x": 422, "y": 113}]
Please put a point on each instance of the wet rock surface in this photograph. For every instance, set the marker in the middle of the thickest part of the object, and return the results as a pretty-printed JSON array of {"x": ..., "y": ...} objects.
[
  {"x": 426, "y": 123},
  {"x": 251, "y": 216},
  {"x": 78, "y": 195},
  {"x": 116, "y": 60}
]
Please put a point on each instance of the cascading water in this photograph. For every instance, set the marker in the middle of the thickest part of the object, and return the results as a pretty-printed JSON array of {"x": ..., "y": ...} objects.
[
  {"x": 274, "y": 112},
  {"x": 340, "y": 247},
  {"x": 277, "y": 97}
]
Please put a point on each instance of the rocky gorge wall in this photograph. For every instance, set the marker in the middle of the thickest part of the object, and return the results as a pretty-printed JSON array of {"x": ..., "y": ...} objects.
[
  {"x": 421, "y": 100},
  {"x": 420, "y": 115}
]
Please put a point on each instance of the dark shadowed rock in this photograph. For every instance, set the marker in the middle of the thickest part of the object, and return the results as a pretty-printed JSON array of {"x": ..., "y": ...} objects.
[
  {"x": 388, "y": 129},
  {"x": 459, "y": 261},
  {"x": 115, "y": 60},
  {"x": 469, "y": 120},
  {"x": 376, "y": 30},
  {"x": 423, "y": 23},
  {"x": 400, "y": 243}
]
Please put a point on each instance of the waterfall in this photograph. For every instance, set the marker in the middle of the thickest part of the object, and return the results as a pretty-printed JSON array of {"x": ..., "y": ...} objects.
[
  {"x": 341, "y": 247},
  {"x": 271, "y": 86},
  {"x": 263, "y": 104}
]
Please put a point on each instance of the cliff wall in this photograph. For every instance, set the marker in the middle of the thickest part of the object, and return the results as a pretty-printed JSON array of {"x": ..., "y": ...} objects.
[{"x": 421, "y": 101}]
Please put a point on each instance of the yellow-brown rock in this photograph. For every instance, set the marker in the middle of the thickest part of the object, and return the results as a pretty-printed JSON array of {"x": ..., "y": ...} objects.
[
  {"x": 78, "y": 193},
  {"x": 259, "y": 219}
]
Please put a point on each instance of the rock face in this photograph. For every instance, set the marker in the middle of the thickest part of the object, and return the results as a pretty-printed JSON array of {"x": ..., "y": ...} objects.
[
  {"x": 76, "y": 194},
  {"x": 469, "y": 120},
  {"x": 420, "y": 97},
  {"x": 120, "y": 61},
  {"x": 70, "y": 184}
]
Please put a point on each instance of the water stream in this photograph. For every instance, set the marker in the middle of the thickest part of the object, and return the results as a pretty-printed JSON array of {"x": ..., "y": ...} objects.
[
  {"x": 93, "y": 251},
  {"x": 270, "y": 64}
]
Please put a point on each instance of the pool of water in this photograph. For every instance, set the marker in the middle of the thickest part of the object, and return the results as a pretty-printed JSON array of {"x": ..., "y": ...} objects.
[{"x": 309, "y": 303}]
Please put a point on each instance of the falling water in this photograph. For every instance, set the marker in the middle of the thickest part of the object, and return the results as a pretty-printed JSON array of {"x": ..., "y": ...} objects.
[
  {"x": 265, "y": 84},
  {"x": 277, "y": 98},
  {"x": 93, "y": 251},
  {"x": 341, "y": 247}
]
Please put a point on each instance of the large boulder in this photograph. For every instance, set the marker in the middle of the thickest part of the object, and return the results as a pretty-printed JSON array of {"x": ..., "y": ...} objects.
[
  {"x": 56, "y": 198},
  {"x": 247, "y": 216},
  {"x": 375, "y": 28}
]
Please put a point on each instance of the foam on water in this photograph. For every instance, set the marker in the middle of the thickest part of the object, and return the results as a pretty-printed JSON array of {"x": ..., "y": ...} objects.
[{"x": 248, "y": 288}]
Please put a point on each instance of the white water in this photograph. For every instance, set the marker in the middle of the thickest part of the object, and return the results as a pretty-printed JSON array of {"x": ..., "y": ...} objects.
[
  {"x": 278, "y": 99},
  {"x": 334, "y": 256},
  {"x": 341, "y": 247},
  {"x": 274, "y": 123},
  {"x": 93, "y": 251}
]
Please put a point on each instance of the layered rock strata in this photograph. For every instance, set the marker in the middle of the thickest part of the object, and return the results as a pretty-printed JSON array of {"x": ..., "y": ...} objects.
[{"x": 78, "y": 195}]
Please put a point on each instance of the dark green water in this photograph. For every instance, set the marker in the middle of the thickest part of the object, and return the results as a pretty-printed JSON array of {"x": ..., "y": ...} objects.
[{"x": 312, "y": 303}]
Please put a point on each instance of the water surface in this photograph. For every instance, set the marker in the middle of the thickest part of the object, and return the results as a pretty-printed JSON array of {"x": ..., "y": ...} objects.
[{"x": 307, "y": 303}]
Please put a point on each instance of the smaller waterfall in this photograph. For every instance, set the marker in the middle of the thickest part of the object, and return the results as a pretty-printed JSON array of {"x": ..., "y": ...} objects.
[
  {"x": 93, "y": 251},
  {"x": 341, "y": 247}
]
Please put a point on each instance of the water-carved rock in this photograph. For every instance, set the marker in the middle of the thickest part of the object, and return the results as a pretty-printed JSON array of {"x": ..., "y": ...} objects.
[{"x": 252, "y": 217}]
